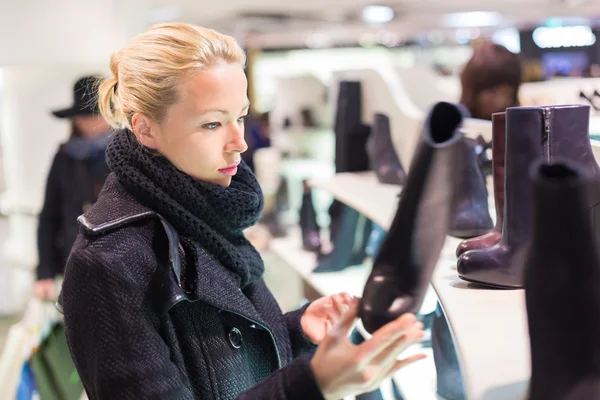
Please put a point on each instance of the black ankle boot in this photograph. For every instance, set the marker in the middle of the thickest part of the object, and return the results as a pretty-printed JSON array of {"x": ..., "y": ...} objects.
[
  {"x": 382, "y": 155},
  {"x": 406, "y": 259},
  {"x": 311, "y": 232},
  {"x": 350, "y": 243},
  {"x": 471, "y": 215},
  {"x": 562, "y": 276}
]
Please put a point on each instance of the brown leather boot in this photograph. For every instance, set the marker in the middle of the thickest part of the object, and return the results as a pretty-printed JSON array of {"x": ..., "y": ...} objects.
[{"x": 498, "y": 143}]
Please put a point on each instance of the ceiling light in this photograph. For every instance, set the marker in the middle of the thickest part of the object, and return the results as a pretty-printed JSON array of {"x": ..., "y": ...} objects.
[
  {"x": 564, "y": 36},
  {"x": 471, "y": 19},
  {"x": 377, "y": 14},
  {"x": 463, "y": 36},
  {"x": 509, "y": 38}
]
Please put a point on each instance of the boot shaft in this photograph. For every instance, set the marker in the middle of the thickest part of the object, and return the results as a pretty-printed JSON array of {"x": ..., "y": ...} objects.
[
  {"x": 547, "y": 133},
  {"x": 562, "y": 275},
  {"x": 382, "y": 154},
  {"x": 498, "y": 154},
  {"x": 427, "y": 198}
]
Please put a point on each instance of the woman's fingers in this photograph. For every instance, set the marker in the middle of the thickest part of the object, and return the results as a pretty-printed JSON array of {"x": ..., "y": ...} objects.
[
  {"x": 341, "y": 303},
  {"x": 389, "y": 355},
  {"x": 345, "y": 323},
  {"x": 399, "y": 364},
  {"x": 384, "y": 336}
]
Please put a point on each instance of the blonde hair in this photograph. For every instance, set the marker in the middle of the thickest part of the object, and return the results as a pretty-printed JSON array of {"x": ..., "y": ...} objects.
[{"x": 146, "y": 74}]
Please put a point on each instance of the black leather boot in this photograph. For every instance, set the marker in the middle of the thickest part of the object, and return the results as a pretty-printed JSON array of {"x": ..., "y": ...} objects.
[
  {"x": 494, "y": 236},
  {"x": 405, "y": 262},
  {"x": 382, "y": 155},
  {"x": 562, "y": 276},
  {"x": 311, "y": 232},
  {"x": 350, "y": 243},
  {"x": 531, "y": 132},
  {"x": 471, "y": 215}
]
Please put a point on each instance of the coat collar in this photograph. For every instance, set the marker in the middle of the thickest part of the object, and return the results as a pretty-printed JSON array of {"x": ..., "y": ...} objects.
[{"x": 206, "y": 280}]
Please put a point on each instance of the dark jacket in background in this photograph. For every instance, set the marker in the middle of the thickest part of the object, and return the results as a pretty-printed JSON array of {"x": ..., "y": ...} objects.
[
  {"x": 72, "y": 185},
  {"x": 145, "y": 320}
]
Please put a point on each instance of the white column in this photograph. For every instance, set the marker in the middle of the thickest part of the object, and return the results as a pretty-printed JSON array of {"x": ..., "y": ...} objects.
[{"x": 47, "y": 46}]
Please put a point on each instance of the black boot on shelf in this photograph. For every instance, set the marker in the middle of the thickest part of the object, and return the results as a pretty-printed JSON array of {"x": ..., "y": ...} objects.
[
  {"x": 410, "y": 251},
  {"x": 273, "y": 220},
  {"x": 471, "y": 214},
  {"x": 382, "y": 155},
  {"x": 562, "y": 276},
  {"x": 311, "y": 232},
  {"x": 351, "y": 241}
]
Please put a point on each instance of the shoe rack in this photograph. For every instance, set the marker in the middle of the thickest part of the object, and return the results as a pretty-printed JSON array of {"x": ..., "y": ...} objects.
[{"x": 489, "y": 326}]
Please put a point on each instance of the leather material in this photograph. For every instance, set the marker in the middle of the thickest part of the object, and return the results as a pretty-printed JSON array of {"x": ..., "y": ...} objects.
[
  {"x": 549, "y": 133},
  {"x": 382, "y": 155},
  {"x": 498, "y": 146},
  {"x": 404, "y": 264},
  {"x": 350, "y": 140},
  {"x": 311, "y": 232},
  {"x": 450, "y": 384},
  {"x": 562, "y": 274},
  {"x": 351, "y": 242},
  {"x": 471, "y": 215}
]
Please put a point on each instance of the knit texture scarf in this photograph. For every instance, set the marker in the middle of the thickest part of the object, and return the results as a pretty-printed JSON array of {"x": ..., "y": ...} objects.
[{"x": 212, "y": 215}]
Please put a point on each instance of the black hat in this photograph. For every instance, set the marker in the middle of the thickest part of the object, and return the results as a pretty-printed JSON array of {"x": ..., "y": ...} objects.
[{"x": 85, "y": 98}]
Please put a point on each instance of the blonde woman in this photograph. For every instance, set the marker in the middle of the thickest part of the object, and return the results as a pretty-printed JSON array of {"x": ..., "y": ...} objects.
[{"x": 163, "y": 296}]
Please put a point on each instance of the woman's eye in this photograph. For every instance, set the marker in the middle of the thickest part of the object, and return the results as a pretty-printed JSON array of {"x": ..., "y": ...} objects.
[
  {"x": 211, "y": 126},
  {"x": 243, "y": 118}
]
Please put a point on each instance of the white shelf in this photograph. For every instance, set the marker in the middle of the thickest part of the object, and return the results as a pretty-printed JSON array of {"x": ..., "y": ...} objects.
[
  {"x": 351, "y": 280},
  {"x": 489, "y": 326}
]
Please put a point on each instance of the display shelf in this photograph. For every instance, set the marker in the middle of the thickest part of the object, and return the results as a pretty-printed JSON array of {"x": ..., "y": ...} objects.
[
  {"x": 489, "y": 326},
  {"x": 351, "y": 280},
  {"x": 416, "y": 382}
]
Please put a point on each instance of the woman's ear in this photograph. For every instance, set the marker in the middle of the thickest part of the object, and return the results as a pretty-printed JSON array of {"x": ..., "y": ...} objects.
[{"x": 143, "y": 131}]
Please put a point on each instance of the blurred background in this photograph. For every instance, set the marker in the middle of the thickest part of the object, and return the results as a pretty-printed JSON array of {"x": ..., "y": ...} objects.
[{"x": 407, "y": 54}]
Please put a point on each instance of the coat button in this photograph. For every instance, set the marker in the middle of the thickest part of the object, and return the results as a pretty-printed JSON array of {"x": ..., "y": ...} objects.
[{"x": 235, "y": 338}]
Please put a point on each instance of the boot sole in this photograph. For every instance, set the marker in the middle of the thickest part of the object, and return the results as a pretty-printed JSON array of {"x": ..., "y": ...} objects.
[
  {"x": 469, "y": 234},
  {"x": 490, "y": 285}
]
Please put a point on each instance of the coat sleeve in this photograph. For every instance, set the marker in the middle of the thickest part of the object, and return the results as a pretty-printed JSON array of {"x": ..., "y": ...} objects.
[
  {"x": 113, "y": 334},
  {"x": 301, "y": 344},
  {"x": 292, "y": 382},
  {"x": 49, "y": 223}
]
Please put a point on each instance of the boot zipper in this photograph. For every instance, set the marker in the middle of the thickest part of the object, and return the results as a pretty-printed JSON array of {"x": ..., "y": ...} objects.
[{"x": 547, "y": 111}]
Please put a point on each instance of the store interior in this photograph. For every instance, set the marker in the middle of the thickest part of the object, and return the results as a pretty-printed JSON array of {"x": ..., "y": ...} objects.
[{"x": 341, "y": 98}]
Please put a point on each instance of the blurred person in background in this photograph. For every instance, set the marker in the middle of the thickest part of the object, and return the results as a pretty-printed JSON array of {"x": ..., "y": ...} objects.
[
  {"x": 75, "y": 179},
  {"x": 163, "y": 295},
  {"x": 490, "y": 80}
]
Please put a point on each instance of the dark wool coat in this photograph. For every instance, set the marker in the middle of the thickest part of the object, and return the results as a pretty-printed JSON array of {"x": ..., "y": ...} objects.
[
  {"x": 151, "y": 315},
  {"x": 70, "y": 188}
]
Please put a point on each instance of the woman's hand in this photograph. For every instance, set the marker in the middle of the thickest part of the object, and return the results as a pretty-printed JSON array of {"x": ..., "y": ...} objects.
[
  {"x": 44, "y": 289},
  {"x": 343, "y": 369},
  {"x": 322, "y": 314}
]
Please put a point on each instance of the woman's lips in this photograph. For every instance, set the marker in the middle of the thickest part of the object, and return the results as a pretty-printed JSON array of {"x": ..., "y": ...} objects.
[{"x": 230, "y": 170}]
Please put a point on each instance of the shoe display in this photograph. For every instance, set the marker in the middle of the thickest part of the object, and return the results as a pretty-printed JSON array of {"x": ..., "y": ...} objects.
[
  {"x": 471, "y": 214},
  {"x": 550, "y": 133},
  {"x": 407, "y": 257},
  {"x": 562, "y": 276},
  {"x": 382, "y": 155},
  {"x": 311, "y": 232},
  {"x": 498, "y": 143},
  {"x": 350, "y": 243}
]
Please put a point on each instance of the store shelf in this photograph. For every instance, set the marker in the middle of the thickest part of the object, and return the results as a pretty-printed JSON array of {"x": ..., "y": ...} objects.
[
  {"x": 416, "y": 382},
  {"x": 351, "y": 280},
  {"x": 489, "y": 326}
]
